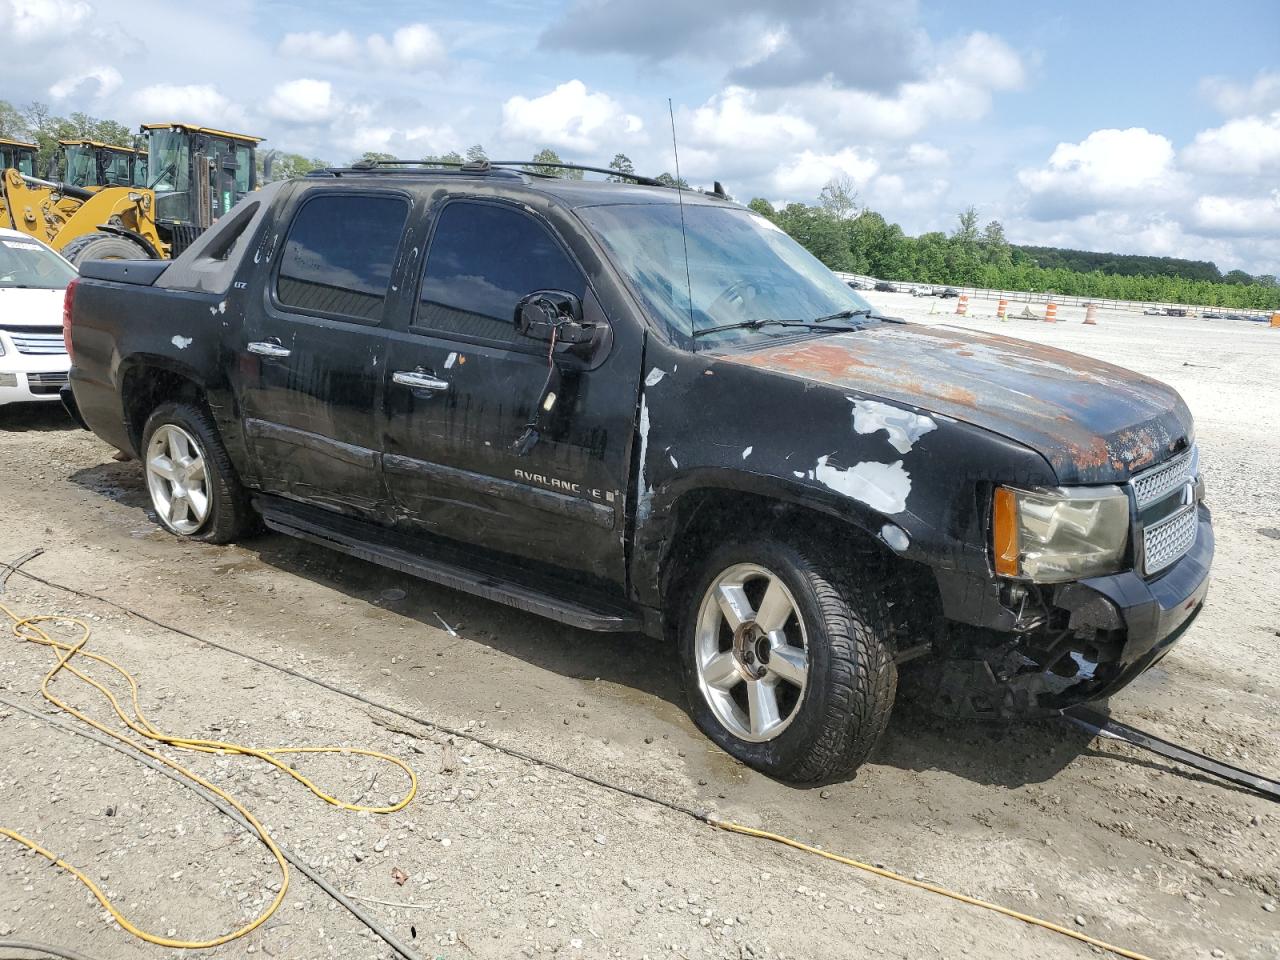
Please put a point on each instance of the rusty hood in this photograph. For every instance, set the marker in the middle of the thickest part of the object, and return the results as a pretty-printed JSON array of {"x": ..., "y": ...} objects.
[{"x": 1092, "y": 421}]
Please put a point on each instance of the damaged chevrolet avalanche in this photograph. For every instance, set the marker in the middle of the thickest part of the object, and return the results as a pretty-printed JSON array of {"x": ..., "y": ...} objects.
[{"x": 629, "y": 408}]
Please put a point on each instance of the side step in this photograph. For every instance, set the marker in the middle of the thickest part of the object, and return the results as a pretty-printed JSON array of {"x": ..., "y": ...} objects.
[{"x": 497, "y": 583}]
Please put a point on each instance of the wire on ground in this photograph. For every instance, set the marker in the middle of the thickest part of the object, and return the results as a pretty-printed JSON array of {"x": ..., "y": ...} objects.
[{"x": 701, "y": 816}]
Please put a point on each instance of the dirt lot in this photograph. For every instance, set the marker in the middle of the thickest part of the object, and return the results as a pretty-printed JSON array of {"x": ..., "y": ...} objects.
[{"x": 505, "y": 858}]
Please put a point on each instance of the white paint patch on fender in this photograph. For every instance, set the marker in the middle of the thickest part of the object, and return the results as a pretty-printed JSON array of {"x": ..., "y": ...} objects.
[
  {"x": 881, "y": 486},
  {"x": 903, "y": 426},
  {"x": 895, "y": 537},
  {"x": 655, "y": 377},
  {"x": 450, "y": 360},
  {"x": 182, "y": 342},
  {"x": 644, "y": 496},
  {"x": 747, "y": 452}
]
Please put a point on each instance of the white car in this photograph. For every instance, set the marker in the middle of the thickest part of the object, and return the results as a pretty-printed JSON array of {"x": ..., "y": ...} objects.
[{"x": 33, "y": 358}]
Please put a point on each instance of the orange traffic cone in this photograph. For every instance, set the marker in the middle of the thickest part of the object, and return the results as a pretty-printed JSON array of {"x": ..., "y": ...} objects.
[
  {"x": 1002, "y": 310},
  {"x": 1051, "y": 313},
  {"x": 1090, "y": 315},
  {"x": 1275, "y": 319},
  {"x": 962, "y": 305}
]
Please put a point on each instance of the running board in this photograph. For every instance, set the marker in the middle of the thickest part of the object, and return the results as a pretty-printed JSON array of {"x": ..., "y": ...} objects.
[{"x": 342, "y": 534}]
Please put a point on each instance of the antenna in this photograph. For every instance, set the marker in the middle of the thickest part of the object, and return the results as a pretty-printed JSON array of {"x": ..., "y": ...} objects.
[{"x": 684, "y": 236}]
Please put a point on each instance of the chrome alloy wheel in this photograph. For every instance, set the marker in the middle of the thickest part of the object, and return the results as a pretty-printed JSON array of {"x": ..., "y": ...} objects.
[
  {"x": 751, "y": 652},
  {"x": 177, "y": 479}
]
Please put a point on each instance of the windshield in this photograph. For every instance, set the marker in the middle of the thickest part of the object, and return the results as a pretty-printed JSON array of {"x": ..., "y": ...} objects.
[
  {"x": 81, "y": 170},
  {"x": 741, "y": 268},
  {"x": 26, "y": 263}
]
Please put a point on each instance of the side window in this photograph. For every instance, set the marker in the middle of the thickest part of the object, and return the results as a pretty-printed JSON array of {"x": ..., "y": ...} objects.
[
  {"x": 338, "y": 256},
  {"x": 484, "y": 257}
]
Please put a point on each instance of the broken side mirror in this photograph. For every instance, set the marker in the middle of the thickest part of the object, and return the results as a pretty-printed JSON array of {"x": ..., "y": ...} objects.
[{"x": 553, "y": 314}]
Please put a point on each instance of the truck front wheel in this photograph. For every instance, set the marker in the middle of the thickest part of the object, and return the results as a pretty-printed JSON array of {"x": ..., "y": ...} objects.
[
  {"x": 788, "y": 665},
  {"x": 193, "y": 486}
]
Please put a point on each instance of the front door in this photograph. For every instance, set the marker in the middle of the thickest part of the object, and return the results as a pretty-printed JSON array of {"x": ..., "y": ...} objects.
[
  {"x": 316, "y": 348},
  {"x": 461, "y": 387}
]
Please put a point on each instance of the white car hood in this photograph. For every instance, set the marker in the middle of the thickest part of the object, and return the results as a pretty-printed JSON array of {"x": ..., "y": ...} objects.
[{"x": 30, "y": 308}]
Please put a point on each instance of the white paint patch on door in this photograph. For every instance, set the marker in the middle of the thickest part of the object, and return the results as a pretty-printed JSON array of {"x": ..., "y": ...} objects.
[{"x": 182, "y": 342}]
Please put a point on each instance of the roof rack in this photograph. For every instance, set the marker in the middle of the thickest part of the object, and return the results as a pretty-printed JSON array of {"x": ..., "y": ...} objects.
[{"x": 488, "y": 166}]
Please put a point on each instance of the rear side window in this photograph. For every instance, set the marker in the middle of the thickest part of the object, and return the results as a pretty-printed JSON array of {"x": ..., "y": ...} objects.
[
  {"x": 484, "y": 257},
  {"x": 338, "y": 257}
]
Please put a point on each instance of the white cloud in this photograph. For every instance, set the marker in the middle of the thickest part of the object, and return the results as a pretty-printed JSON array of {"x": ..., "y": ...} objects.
[
  {"x": 1248, "y": 145},
  {"x": 926, "y": 155},
  {"x": 106, "y": 78},
  {"x": 729, "y": 119},
  {"x": 1235, "y": 99},
  {"x": 1107, "y": 168},
  {"x": 412, "y": 47},
  {"x": 192, "y": 103},
  {"x": 571, "y": 117},
  {"x": 27, "y": 21},
  {"x": 340, "y": 47},
  {"x": 958, "y": 88},
  {"x": 1238, "y": 216},
  {"x": 805, "y": 174},
  {"x": 302, "y": 101}
]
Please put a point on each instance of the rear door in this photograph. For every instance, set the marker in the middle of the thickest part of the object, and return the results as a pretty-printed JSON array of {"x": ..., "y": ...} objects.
[
  {"x": 461, "y": 387},
  {"x": 313, "y": 355}
]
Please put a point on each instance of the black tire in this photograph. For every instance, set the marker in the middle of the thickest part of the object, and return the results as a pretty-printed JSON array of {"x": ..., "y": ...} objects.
[
  {"x": 103, "y": 246},
  {"x": 230, "y": 515},
  {"x": 845, "y": 703}
]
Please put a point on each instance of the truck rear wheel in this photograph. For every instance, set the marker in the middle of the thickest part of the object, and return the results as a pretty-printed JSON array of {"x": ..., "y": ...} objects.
[
  {"x": 193, "y": 486},
  {"x": 787, "y": 665},
  {"x": 103, "y": 246}
]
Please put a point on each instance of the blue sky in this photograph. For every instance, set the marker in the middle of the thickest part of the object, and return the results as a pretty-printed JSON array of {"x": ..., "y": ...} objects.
[{"x": 1128, "y": 126}]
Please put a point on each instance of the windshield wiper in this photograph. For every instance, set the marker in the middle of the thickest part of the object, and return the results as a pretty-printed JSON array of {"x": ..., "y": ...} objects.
[
  {"x": 844, "y": 315},
  {"x": 765, "y": 321}
]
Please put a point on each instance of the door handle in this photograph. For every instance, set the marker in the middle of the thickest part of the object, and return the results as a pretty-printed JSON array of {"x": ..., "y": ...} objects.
[
  {"x": 419, "y": 380},
  {"x": 269, "y": 348}
]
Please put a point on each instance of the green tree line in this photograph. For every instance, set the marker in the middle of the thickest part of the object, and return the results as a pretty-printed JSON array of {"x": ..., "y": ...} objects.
[
  {"x": 846, "y": 236},
  {"x": 35, "y": 123}
]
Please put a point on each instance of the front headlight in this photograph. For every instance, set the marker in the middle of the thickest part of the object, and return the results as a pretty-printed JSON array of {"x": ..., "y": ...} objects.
[{"x": 1067, "y": 533}]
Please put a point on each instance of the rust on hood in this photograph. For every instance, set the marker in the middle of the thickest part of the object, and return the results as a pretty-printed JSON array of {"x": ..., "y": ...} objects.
[{"x": 1093, "y": 421}]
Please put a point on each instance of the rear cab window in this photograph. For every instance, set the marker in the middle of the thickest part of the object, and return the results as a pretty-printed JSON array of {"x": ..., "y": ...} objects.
[
  {"x": 339, "y": 255},
  {"x": 484, "y": 257}
]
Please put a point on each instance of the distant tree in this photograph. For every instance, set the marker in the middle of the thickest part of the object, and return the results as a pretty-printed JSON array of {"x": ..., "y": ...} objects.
[
  {"x": 12, "y": 123},
  {"x": 1238, "y": 277},
  {"x": 995, "y": 248},
  {"x": 763, "y": 207},
  {"x": 667, "y": 180},
  {"x": 450, "y": 159},
  {"x": 548, "y": 156},
  {"x": 475, "y": 152},
  {"x": 966, "y": 226},
  {"x": 839, "y": 197},
  {"x": 373, "y": 156},
  {"x": 622, "y": 163},
  {"x": 286, "y": 166}
]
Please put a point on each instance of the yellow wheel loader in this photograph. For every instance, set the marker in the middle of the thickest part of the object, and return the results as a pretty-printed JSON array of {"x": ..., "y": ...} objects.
[
  {"x": 92, "y": 164},
  {"x": 195, "y": 175}
]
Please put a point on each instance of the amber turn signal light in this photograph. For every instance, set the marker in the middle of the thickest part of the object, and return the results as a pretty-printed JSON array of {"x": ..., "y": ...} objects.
[{"x": 1005, "y": 532}]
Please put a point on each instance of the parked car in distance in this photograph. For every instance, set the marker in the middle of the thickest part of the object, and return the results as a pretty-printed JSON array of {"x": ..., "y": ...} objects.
[
  {"x": 922, "y": 291},
  {"x": 949, "y": 292},
  {"x": 860, "y": 284},
  {"x": 1153, "y": 312},
  {"x": 884, "y": 286},
  {"x": 33, "y": 357},
  {"x": 520, "y": 387}
]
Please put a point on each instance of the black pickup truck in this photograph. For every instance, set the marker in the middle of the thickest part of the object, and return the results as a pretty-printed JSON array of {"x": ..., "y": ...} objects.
[{"x": 632, "y": 408}]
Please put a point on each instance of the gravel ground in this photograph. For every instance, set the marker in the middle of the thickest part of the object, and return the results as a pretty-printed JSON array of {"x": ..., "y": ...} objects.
[{"x": 499, "y": 857}]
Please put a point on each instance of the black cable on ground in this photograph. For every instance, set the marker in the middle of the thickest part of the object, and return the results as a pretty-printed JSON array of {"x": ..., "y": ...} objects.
[{"x": 302, "y": 866}]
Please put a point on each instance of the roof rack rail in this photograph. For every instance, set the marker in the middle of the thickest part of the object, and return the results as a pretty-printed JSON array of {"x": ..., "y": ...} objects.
[{"x": 484, "y": 166}]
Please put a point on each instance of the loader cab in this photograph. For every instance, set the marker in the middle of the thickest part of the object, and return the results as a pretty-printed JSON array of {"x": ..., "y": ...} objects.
[
  {"x": 91, "y": 164},
  {"x": 198, "y": 174},
  {"x": 18, "y": 155}
]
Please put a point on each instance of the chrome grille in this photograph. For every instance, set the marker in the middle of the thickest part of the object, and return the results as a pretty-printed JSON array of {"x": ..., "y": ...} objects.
[
  {"x": 1151, "y": 485},
  {"x": 42, "y": 344},
  {"x": 1166, "y": 541},
  {"x": 46, "y": 383}
]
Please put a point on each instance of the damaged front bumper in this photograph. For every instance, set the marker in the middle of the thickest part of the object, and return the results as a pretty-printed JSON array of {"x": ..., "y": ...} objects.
[{"x": 1080, "y": 641}]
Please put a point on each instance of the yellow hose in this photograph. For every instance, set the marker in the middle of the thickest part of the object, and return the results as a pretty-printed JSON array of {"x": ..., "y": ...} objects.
[
  {"x": 732, "y": 827},
  {"x": 25, "y": 628}
]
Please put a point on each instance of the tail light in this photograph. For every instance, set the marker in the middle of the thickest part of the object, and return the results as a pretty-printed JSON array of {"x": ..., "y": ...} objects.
[{"x": 68, "y": 301}]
